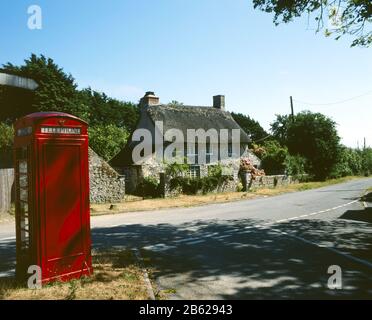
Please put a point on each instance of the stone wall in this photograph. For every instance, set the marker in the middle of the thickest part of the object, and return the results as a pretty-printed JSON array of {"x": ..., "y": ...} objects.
[
  {"x": 265, "y": 181},
  {"x": 106, "y": 185}
]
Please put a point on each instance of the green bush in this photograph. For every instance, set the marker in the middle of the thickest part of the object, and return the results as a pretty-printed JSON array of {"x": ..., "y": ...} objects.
[
  {"x": 6, "y": 137},
  {"x": 295, "y": 165},
  {"x": 313, "y": 136},
  {"x": 192, "y": 186},
  {"x": 107, "y": 140},
  {"x": 149, "y": 187},
  {"x": 6, "y": 145},
  {"x": 274, "y": 158},
  {"x": 352, "y": 162}
]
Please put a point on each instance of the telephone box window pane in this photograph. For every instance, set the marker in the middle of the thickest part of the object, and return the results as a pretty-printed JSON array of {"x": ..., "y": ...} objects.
[
  {"x": 24, "y": 208},
  {"x": 23, "y": 183},
  {"x": 24, "y": 195},
  {"x": 23, "y": 167},
  {"x": 24, "y": 238},
  {"x": 25, "y": 224}
]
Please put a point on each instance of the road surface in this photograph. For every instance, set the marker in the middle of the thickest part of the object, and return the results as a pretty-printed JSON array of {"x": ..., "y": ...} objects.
[{"x": 276, "y": 247}]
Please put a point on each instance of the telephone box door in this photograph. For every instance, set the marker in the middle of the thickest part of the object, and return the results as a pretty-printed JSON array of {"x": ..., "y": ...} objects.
[{"x": 63, "y": 190}]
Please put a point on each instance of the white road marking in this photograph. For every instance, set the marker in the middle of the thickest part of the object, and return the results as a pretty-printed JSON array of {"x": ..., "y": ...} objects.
[
  {"x": 194, "y": 242},
  {"x": 185, "y": 240},
  {"x": 346, "y": 255},
  {"x": 313, "y": 213}
]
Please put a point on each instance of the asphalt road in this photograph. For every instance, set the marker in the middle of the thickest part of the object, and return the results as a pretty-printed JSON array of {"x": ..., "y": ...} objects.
[{"x": 277, "y": 247}]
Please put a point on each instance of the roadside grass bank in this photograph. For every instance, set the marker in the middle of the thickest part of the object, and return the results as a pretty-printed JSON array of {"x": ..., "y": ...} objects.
[
  {"x": 133, "y": 203},
  {"x": 117, "y": 276}
]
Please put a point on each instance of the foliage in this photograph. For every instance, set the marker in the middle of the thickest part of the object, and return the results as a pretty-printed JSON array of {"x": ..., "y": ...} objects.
[
  {"x": 111, "y": 120},
  {"x": 149, "y": 187},
  {"x": 108, "y": 139},
  {"x": 258, "y": 150},
  {"x": 353, "y": 162},
  {"x": 56, "y": 89},
  {"x": 366, "y": 161},
  {"x": 6, "y": 137},
  {"x": 350, "y": 163},
  {"x": 246, "y": 165},
  {"x": 6, "y": 143},
  {"x": 295, "y": 165},
  {"x": 250, "y": 126},
  {"x": 105, "y": 110},
  {"x": 350, "y": 17},
  {"x": 274, "y": 158},
  {"x": 176, "y": 169},
  {"x": 212, "y": 182},
  {"x": 314, "y": 137},
  {"x": 175, "y": 103}
]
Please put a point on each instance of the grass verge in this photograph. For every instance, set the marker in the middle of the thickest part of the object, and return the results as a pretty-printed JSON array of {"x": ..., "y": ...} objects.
[
  {"x": 133, "y": 204},
  {"x": 117, "y": 276}
]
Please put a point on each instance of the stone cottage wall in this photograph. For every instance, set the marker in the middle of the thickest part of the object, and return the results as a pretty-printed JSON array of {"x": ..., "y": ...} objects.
[
  {"x": 265, "y": 181},
  {"x": 106, "y": 185}
]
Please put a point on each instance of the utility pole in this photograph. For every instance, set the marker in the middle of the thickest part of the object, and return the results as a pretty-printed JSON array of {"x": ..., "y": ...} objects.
[
  {"x": 364, "y": 144},
  {"x": 292, "y": 110}
]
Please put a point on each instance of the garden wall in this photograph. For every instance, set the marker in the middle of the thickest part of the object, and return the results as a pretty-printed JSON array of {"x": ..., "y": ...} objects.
[
  {"x": 265, "y": 181},
  {"x": 106, "y": 185}
]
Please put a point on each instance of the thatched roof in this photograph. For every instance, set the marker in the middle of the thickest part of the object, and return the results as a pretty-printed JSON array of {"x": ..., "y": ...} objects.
[
  {"x": 192, "y": 117},
  {"x": 184, "y": 117}
]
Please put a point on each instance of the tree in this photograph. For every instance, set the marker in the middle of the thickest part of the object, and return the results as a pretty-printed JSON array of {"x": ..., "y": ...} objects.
[
  {"x": 56, "y": 91},
  {"x": 250, "y": 126},
  {"x": 313, "y": 136},
  {"x": 6, "y": 144},
  {"x": 274, "y": 158},
  {"x": 351, "y": 17},
  {"x": 105, "y": 110},
  {"x": 366, "y": 155},
  {"x": 107, "y": 140},
  {"x": 110, "y": 119}
]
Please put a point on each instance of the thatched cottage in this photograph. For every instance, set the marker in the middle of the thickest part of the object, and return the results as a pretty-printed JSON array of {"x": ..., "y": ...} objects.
[{"x": 183, "y": 118}]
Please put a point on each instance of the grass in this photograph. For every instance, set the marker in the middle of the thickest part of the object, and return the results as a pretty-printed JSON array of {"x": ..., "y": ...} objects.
[
  {"x": 133, "y": 204},
  {"x": 117, "y": 276}
]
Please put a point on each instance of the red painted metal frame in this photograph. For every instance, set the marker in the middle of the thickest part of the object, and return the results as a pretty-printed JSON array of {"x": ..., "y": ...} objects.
[{"x": 58, "y": 197}]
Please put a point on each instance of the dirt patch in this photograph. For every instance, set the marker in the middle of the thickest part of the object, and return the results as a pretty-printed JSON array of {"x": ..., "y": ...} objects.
[{"x": 138, "y": 204}]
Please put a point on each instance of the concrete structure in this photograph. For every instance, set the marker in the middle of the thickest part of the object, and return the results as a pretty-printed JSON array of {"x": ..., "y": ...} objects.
[{"x": 18, "y": 82}]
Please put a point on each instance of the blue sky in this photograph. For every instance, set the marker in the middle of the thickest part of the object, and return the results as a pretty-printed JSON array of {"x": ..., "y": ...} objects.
[{"x": 190, "y": 50}]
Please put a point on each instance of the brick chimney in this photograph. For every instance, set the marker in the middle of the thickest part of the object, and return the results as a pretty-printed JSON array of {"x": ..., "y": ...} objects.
[
  {"x": 219, "y": 102},
  {"x": 149, "y": 99}
]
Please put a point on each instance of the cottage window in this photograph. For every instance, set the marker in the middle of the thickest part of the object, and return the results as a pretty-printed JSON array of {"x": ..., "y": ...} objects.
[
  {"x": 194, "y": 171},
  {"x": 193, "y": 153},
  {"x": 209, "y": 152},
  {"x": 230, "y": 150}
]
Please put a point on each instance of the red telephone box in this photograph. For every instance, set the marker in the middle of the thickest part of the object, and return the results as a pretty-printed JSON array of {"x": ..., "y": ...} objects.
[{"x": 52, "y": 196}]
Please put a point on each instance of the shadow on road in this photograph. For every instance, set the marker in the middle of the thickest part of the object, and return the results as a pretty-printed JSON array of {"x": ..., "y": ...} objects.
[{"x": 236, "y": 260}]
